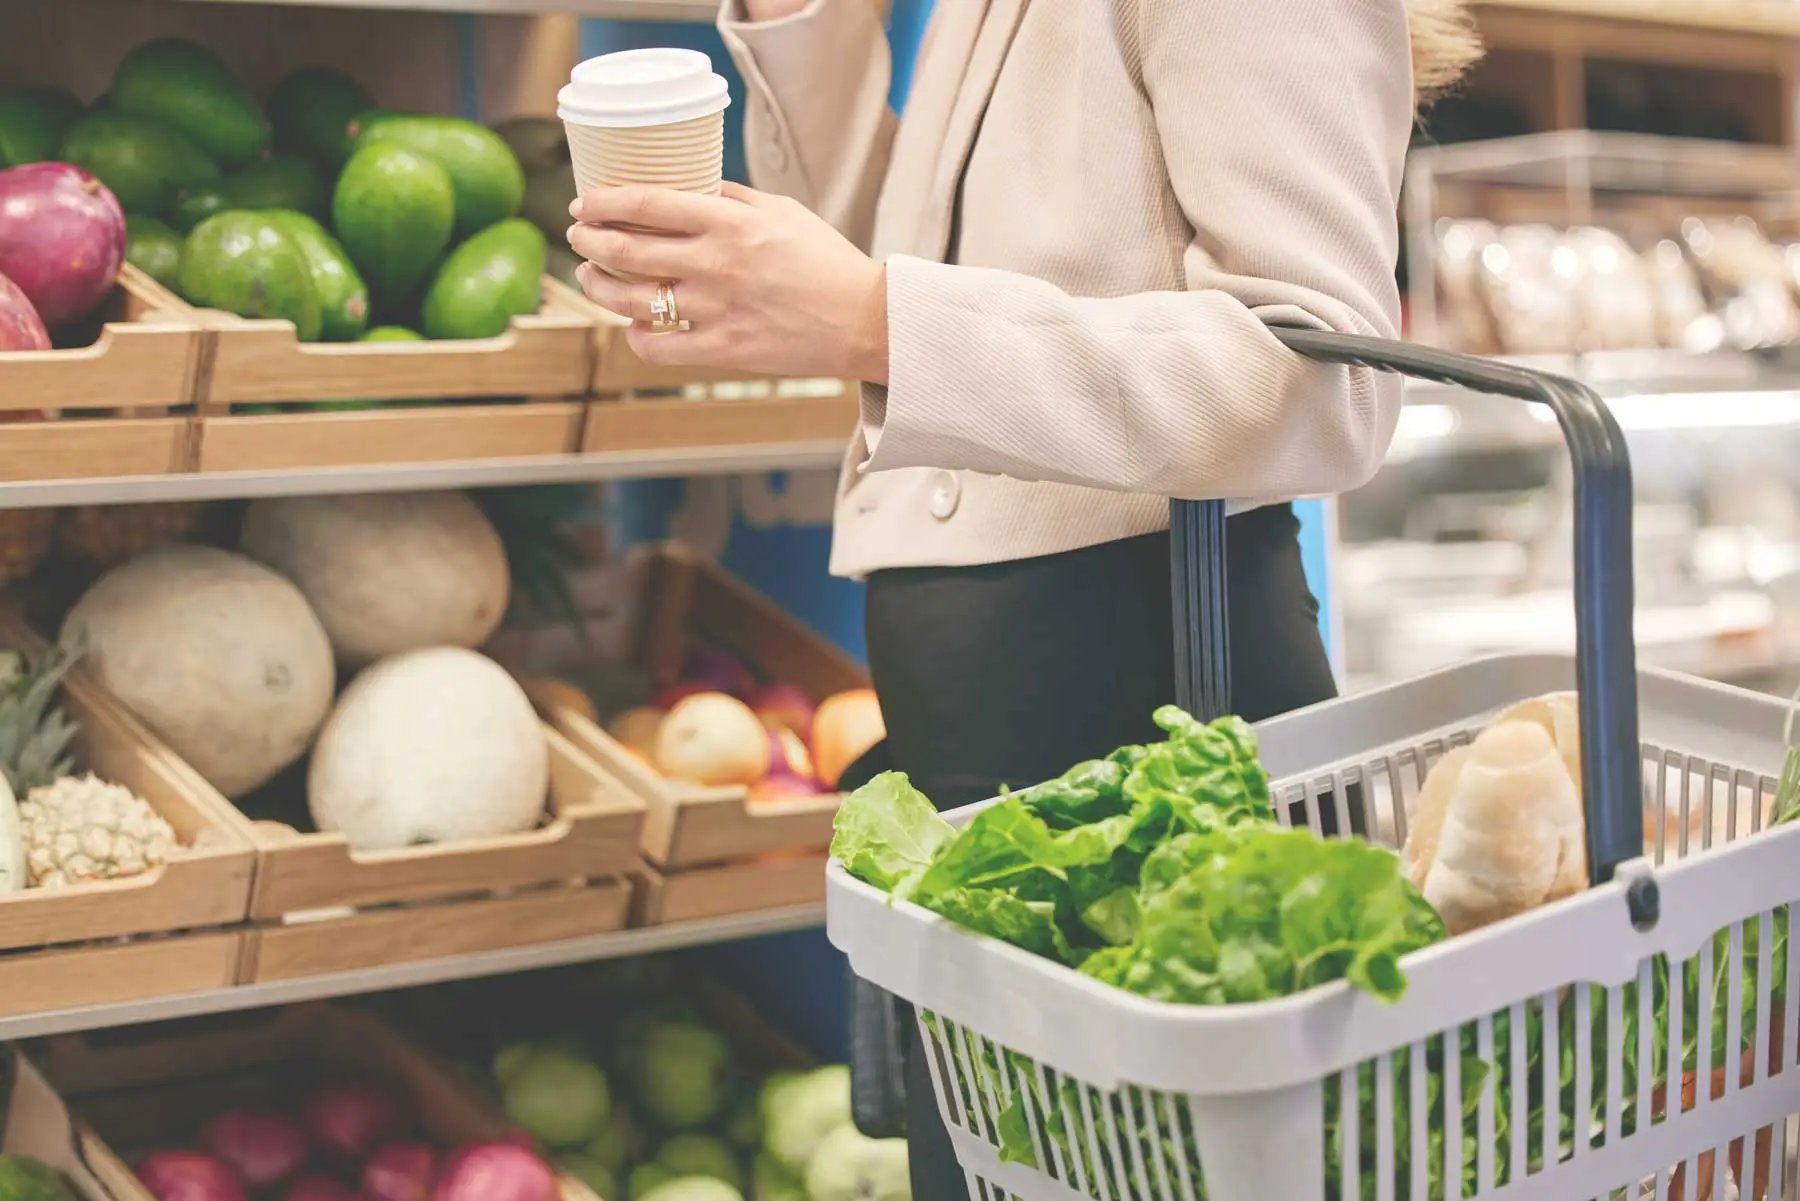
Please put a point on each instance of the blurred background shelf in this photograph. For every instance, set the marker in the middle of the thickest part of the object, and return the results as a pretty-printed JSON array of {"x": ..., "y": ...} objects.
[
  {"x": 620, "y": 945},
  {"x": 616, "y": 10}
]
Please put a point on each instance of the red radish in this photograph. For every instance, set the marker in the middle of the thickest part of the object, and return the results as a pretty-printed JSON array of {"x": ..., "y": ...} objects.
[
  {"x": 62, "y": 238},
  {"x": 265, "y": 1148},
  {"x": 351, "y": 1118},
  {"x": 719, "y": 670},
  {"x": 784, "y": 705},
  {"x": 20, "y": 326},
  {"x": 495, "y": 1172},
  {"x": 399, "y": 1172},
  {"x": 317, "y": 1186},
  {"x": 189, "y": 1176},
  {"x": 776, "y": 789}
]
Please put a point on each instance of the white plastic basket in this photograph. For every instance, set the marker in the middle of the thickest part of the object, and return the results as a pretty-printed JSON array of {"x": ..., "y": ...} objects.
[{"x": 1333, "y": 1094}]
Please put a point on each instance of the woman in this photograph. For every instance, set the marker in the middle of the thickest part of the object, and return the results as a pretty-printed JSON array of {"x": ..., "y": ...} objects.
[{"x": 1079, "y": 236}]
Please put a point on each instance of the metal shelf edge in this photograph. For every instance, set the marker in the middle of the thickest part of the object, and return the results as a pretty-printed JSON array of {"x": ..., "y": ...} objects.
[{"x": 620, "y": 945}]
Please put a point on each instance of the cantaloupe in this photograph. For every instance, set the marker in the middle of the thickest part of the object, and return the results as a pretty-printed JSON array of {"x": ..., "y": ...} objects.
[
  {"x": 387, "y": 572},
  {"x": 218, "y": 654},
  {"x": 432, "y": 745}
]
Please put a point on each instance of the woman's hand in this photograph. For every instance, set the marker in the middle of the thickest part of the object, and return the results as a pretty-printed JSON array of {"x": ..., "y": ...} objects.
[
  {"x": 772, "y": 10},
  {"x": 762, "y": 283}
]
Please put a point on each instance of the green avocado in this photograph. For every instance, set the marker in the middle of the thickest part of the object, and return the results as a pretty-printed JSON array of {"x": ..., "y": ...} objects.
[
  {"x": 486, "y": 282},
  {"x": 187, "y": 86},
  {"x": 144, "y": 163},
  {"x": 154, "y": 249},
  {"x": 485, "y": 173},
  {"x": 312, "y": 109},
  {"x": 281, "y": 181},
  {"x": 392, "y": 333},
  {"x": 196, "y": 204},
  {"x": 241, "y": 262},
  {"x": 343, "y": 298},
  {"x": 393, "y": 211},
  {"x": 33, "y": 123}
]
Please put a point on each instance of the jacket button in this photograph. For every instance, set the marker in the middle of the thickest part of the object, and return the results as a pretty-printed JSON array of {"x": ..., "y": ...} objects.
[{"x": 946, "y": 495}]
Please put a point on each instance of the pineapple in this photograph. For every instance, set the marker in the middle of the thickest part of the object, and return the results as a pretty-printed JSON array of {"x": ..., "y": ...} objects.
[
  {"x": 35, "y": 733},
  {"x": 24, "y": 541},
  {"x": 82, "y": 828},
  {"x": 105, "y": 535}
]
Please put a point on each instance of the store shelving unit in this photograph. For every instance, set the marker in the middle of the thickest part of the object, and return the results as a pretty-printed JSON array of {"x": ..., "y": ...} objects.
[{"x": 617, "y": 10}]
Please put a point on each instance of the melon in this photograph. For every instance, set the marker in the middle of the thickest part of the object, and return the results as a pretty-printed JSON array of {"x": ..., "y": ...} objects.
[
  {"x": 218, "y": 654},
  {"x": 12, "y": 841},
  {"x": 432, "y": 745},
  {"x": 387, "y": 573}
]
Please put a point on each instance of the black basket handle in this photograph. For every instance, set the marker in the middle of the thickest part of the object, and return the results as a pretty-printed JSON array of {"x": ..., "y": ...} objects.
[{"x": 1605, "y": 654}]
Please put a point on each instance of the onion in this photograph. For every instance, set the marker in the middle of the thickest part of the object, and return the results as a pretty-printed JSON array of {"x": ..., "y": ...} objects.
[
  {"x": 784, "y": 705},
  {"x": 719, "y": 670},
  {"x": 265, "y": 1148},
  {"x": 351, "y": 1118},
  {"x": 189, "y": 1176},
  {"x": 399, "y": 1172},
  {"x": 316, "y": 1186},
  {"x": 495, "y": 1172}
]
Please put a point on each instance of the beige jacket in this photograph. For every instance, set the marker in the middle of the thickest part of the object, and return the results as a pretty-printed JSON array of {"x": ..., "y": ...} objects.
[{"x": 1131, "y": 191}]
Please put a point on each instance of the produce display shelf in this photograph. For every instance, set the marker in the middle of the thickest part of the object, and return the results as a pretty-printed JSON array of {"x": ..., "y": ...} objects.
[
  {"x": 620, "y": 10},
  {"x": 408, "y": 477},
  {"x": 1771, "y": 18},
  {"x": 621, "y": 945}
]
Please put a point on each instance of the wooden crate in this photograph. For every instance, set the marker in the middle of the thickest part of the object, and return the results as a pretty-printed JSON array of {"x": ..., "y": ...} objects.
[
  {"x": 207, "y": 885},
  {"x": 34, "y": 1121},
  {"x": 639, "y": 406},
  {"x": 695, "y": 893},
  {"x": 548, "y": 353},
  {"x": 686, "y": 598},
  {"x": 109, "y": 973},
  {"x": 374, "y": 437},
  {"x": 108, "y": 408},
  {"x": 141, "y": 1088}
]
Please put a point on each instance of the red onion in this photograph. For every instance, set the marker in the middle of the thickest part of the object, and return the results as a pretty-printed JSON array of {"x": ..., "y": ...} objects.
[
  {"x": 316, "y": 1186},
  {"x": 495, "y": 1172},
  {"x": 265, "y": 1148},
  {"x": 784, "y": 705},
  {"x": 62, "y": 238},
  {"x": 189, "y": 1176},
  {"x": 351, "y": 1118},
  {"x": 399, "y": 1172},
  {"x": 719, "y": 670}
]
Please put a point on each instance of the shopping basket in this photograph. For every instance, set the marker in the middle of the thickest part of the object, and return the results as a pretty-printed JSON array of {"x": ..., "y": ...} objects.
[{"x": 1635, "y": 1040}]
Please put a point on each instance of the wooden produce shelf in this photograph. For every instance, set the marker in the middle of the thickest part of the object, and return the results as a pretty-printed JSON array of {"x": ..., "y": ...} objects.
[
  {"x": 38, "y": 1124},
  {"x": 686, "y": 599},
  {"x": 109, "y": 408},
  {"x": 699, "y": 893},
  {"x": 156, "y": 1086},
  {"x": 1770, "y": 18},
  {"x": 423, "y": 435}
]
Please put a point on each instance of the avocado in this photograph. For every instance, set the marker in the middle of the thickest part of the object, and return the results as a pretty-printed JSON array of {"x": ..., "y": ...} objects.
[
  {"x": 196, "y": 204},
  {"x": 25, "y": 1179},
  {"x": 343, "y": 299},
  {"x": 187, "y": 86},
  {"x": 487, "y": 281},
  {"x": 144, "y": 163},
  {"x": 241, "y": 262},
  {"x": 311, "y": 110},
  {"x": 281, "y": 181},
  {"x": 393, "y": 210},
  {"x": 154, "y": 249},
  {"x": 33, "y": 123},
  {"x": 484, "y": 171}
]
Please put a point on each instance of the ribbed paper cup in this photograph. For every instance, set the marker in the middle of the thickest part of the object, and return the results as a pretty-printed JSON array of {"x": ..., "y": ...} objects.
[{"x": 612, "y": 155}]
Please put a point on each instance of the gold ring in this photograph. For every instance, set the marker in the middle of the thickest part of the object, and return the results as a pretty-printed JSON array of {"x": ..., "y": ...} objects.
[{"x": 665, "y": 314}]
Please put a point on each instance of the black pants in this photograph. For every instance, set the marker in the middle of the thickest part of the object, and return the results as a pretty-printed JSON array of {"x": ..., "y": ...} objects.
[{"x": 1011, "y": 673}]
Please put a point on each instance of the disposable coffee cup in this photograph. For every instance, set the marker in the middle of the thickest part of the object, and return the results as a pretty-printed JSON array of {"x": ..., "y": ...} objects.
[{"x": 646, "y": 117}]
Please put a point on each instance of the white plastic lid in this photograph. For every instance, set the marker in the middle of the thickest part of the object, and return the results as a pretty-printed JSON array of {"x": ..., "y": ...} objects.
[{"x": 643, "y": 87}]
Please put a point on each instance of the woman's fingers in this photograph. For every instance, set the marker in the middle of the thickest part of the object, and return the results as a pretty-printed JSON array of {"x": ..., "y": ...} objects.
[
  {"x": 633, "y": 300},
  {"x": 661, "y": 209},
  {"x": 628, "y": 252}
]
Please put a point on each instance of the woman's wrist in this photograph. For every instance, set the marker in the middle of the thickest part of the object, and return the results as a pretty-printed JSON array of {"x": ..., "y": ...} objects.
[
  {"x": 869, "y": 358},
  {"x": 772, "y": 10}
]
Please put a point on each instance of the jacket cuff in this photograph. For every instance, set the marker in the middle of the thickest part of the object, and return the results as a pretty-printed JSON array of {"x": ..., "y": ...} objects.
[{"x": 924, "y": 411}]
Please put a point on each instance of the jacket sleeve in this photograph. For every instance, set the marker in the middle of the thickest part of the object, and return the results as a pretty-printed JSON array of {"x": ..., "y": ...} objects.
[
  {"x": 1284, "y": 125},
  {"x": 818, "y": 127}
]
